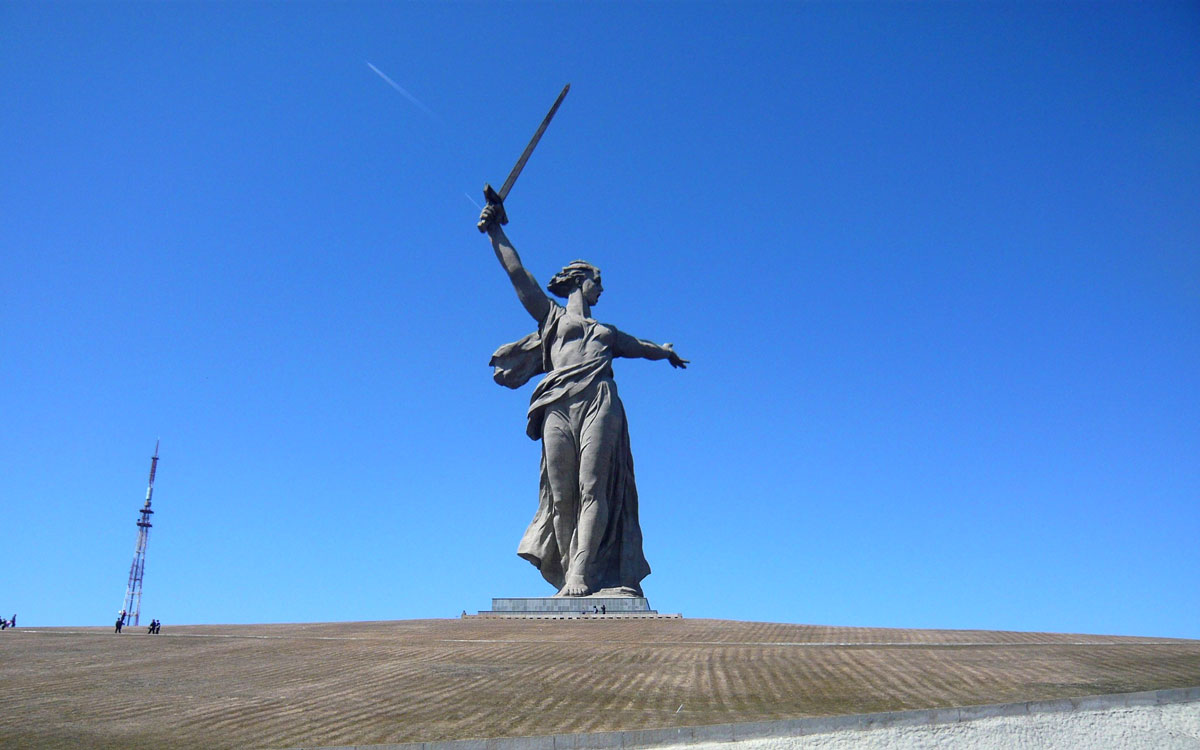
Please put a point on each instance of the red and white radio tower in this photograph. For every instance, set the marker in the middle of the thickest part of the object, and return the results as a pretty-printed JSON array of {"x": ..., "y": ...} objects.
[{"x": 133, "y": 592}]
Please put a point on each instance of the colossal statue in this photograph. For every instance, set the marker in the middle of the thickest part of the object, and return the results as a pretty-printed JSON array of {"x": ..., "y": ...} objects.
[{"x": 585, "y": 537}]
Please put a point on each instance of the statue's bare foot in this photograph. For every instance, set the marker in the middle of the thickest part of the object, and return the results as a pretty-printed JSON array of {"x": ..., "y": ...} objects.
[{"x": 573, "y": 587}]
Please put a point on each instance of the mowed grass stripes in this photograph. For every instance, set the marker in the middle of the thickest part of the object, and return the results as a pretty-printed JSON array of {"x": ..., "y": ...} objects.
[{"x": 273, "y": 686}]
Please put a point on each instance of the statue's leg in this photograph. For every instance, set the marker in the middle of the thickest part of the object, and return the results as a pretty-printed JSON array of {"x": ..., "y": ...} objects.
[
  {"x": 562, "y": 469},
  {"x": 597, "y": 443}
]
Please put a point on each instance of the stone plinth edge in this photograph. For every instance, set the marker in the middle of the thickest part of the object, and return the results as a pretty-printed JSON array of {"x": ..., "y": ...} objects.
[
  {"x": 571, "y": 616},
  {"x": 571, "y": 604},
  {"x": 570, "y": 608},
  {"x": 647, "y": 738}
]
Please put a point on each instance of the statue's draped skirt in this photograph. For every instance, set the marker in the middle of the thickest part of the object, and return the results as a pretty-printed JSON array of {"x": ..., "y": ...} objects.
[{"x": 594, "y": 414}]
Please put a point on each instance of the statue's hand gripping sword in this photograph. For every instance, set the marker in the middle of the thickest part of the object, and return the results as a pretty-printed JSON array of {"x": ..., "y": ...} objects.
[{"x": 496, "y": 198}]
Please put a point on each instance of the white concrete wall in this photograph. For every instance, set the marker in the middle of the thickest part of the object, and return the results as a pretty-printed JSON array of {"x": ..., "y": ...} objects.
[{"x": 1169, "y": 727}]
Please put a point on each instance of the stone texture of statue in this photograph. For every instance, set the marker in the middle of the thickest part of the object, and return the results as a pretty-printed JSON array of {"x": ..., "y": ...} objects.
[{"x": 585, "y": 537}]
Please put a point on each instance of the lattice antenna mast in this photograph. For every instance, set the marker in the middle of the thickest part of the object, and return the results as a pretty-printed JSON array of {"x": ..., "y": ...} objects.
[{"x": 133, "y": 592}]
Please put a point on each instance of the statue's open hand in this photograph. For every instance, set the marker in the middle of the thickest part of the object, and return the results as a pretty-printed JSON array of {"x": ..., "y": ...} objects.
[
  {"x": 488, "y": 218},
  {"x": 675, "y": 359}
]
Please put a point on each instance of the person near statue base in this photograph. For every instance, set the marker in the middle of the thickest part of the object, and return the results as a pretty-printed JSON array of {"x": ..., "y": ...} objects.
[{"x": 585, "y": 537}]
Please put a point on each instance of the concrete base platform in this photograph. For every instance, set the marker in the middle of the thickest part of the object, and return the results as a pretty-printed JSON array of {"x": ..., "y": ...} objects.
[
  {"x": 487, "y": 615},
  {"x": 571, "y": 607}
]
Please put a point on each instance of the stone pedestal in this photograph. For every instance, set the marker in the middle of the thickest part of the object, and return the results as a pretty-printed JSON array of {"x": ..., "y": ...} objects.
[{"x": 561, "y": 607}]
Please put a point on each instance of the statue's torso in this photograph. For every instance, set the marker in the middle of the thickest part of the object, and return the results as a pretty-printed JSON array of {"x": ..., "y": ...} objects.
[{"x": 576, "y": 340}]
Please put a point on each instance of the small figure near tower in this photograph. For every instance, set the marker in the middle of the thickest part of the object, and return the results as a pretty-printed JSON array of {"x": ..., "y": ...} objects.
[{"x": 132, "y": 606}]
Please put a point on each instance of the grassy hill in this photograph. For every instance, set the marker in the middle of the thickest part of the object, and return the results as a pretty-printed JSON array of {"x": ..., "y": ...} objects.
[{"x": 271, "y": 686}]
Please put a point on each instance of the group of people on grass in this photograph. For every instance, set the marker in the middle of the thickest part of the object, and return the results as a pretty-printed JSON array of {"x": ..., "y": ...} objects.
[
  {"x": 154, "y": 628},
  {"x": 6, "y": 624}
]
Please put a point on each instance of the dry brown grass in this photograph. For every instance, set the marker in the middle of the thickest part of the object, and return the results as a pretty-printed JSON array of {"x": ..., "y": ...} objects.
[{"x": 363, "y": 683}]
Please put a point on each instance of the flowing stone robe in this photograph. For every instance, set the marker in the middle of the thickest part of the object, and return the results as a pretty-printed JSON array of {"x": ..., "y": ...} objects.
[{"x": 582, "y": 404}]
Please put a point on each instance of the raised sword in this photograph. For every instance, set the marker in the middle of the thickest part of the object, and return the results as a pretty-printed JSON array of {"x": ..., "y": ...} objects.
[{"x": 496, "y": 197}]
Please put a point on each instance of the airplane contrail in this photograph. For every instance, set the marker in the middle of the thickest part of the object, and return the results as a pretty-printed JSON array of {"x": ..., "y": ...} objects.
[{"x": 401, "y": 89}]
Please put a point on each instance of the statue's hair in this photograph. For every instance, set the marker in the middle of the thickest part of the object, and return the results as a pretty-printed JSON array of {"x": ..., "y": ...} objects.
[{"x": 571, "y": 277}]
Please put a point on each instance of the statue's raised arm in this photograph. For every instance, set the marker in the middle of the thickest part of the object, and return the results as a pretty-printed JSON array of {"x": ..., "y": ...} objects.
[{"x": 534, "y": 300}]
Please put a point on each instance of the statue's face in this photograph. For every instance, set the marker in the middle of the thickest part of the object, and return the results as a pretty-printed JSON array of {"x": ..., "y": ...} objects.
[{"x": 591, "y": 290}]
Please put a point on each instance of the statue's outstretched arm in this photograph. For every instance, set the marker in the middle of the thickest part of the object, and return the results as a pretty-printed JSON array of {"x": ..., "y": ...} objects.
[
  {"x": 535, "y": 301},
  {"x": 631, "y": 346}
]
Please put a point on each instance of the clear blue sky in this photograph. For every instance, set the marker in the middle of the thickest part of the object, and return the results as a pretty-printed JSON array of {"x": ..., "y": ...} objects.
[{"x": 935, "y": 265}]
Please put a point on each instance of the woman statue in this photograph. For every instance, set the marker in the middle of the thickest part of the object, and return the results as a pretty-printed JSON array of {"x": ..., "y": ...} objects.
[{"x": 585, "y": 538}]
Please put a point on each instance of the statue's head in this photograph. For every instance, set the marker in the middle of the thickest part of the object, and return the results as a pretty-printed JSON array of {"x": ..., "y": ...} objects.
[{"x": 574, "y": 276}]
